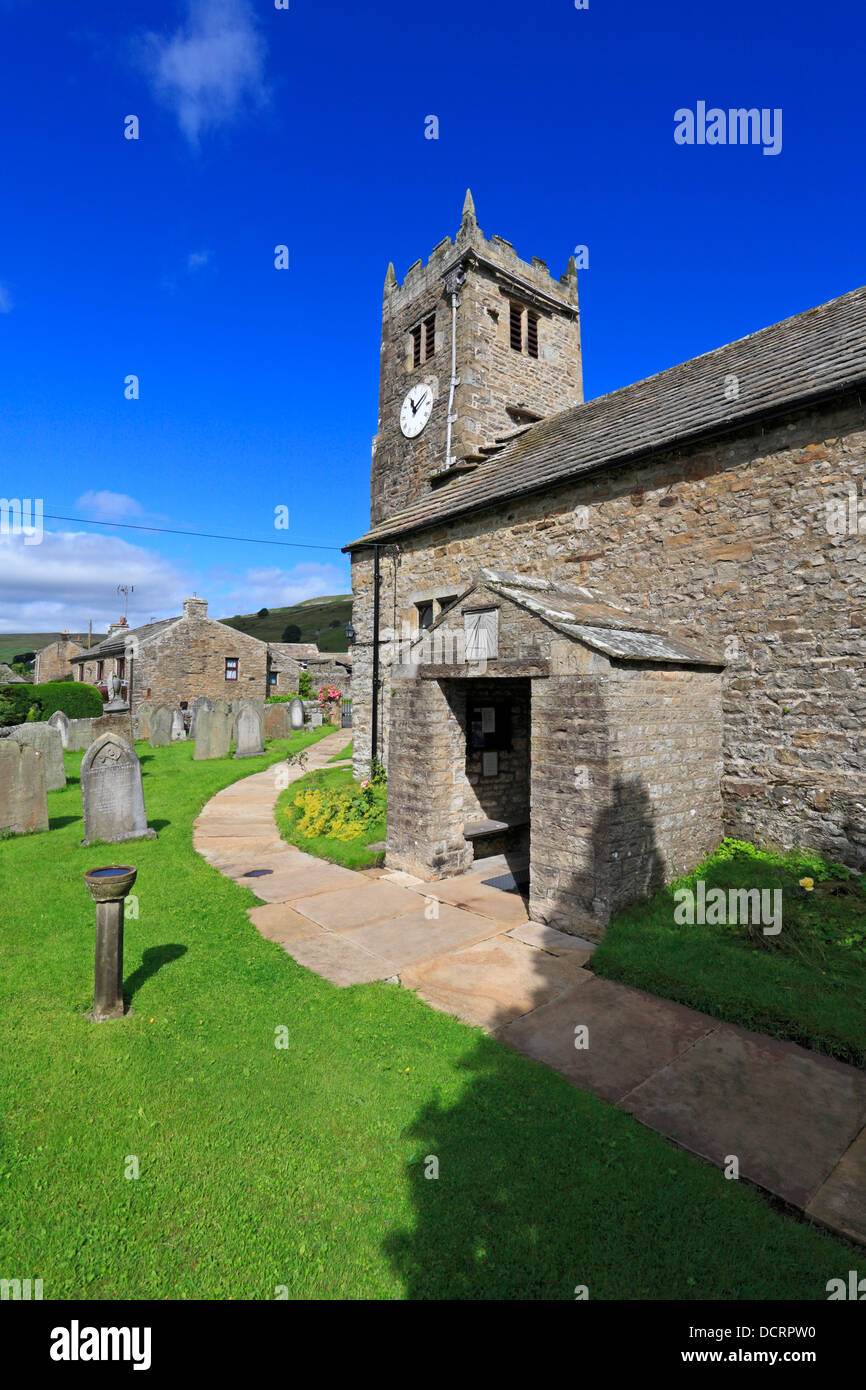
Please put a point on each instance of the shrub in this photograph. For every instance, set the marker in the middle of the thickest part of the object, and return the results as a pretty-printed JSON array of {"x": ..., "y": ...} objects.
[
  {"x": 305, "y": 685},
  {"x": 20, "y": 703},
  {"x": 281, "y": 699},
  {"x": 16, "y": 702},
  {"x": 341, "y": 813}
]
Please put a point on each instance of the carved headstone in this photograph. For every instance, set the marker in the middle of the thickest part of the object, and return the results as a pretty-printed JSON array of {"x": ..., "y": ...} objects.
[
  {"x": 248, "y": 733},
  {"x": 213, "y": 732},
  {"x": 278, "y": 720},
  {"x": 47, "y": 739},
  {"x": 112, "y": 794},
  {"x": 160, "y": 727},
  {"x": 118, "y": 721},
  {"x": 178, "y": 728},
  {"x": 60, "y": 722},
  {"x": 23, "y": 802},
  {"x": 296, "y": 712},
  {"x": 143, "y": 716},
  {"x": 201, "y": 702}
]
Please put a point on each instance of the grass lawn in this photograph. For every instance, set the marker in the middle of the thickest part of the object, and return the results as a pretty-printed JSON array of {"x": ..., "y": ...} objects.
[
  {"x": 352, "y": 854},
  {"x": 807, "y": 983},
  {"x": 304, "y": 1166},
  {"x": 346, "y": 753}
]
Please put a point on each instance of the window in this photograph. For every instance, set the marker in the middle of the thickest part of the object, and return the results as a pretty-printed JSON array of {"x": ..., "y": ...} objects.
[
  {"x": 100, "y": 670},
  {"x": 425, "y": 615},
  {"x": 121, "y": 667},
  {"x": 521, "y": 342},
  {"x": 423, "y": 338},
  {"x": 447, "y": 602},
  {"x": 231, "y": 668},
  {"x": 516, "y": 327},
  {"x": 272, "y": 677},
  {"x": 531, "y": 333}
]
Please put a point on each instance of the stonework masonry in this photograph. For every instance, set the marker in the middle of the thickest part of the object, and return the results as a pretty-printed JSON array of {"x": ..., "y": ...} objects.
[{"x": 741, "y": 554}]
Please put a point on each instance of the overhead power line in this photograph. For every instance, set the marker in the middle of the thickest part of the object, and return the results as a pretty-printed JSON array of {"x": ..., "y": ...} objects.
[{"x": 200, "y": 535}]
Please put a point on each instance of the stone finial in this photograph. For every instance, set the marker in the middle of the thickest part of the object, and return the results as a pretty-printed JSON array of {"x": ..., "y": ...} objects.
[
  {"x": 390, "y": 278},
  {"x": 570, "y": 276},
  {"x": 468, "y": 221}
]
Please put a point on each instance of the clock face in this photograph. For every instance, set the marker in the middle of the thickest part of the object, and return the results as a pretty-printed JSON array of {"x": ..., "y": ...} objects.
[{"x": 415, "y": 410}]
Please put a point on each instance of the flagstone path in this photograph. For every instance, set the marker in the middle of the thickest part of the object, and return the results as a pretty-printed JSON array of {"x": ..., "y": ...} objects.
[{"x": 794, "y": 1119}]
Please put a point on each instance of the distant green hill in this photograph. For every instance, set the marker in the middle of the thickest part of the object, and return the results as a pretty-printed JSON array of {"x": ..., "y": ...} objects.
[
  {"x": 321, "y": 620},
  {"x": 11, "y": 643}
]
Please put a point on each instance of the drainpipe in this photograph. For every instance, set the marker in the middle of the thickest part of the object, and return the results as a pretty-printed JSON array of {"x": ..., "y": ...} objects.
[{"x": 453, "y": 280}]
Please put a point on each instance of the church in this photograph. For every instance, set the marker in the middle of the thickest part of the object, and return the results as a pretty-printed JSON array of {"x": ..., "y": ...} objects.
[{"x": 596, "y": 636}]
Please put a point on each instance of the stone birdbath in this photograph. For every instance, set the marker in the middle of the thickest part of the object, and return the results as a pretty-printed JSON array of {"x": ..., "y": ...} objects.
[{"x": 108, "y": 888}]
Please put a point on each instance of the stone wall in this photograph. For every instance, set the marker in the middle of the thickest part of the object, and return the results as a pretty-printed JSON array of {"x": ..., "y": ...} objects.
[
  {"x": 744, "y": 556},
  {"x": 425, "y": 789},
  {"x": 54, "y": 662}
]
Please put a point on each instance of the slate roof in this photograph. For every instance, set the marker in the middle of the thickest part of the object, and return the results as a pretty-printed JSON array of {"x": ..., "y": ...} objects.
[
  {"x": 802, "y": 359},
  {"x": 592, "y": 617},
  {"x": 115, "y": 643}
]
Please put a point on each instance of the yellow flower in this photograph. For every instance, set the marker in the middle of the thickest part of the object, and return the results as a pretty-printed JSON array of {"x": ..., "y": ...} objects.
[{"x": 807, "y": 883}]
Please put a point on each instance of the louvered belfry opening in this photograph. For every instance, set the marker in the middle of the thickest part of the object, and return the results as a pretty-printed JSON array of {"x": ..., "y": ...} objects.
[
  {"x": 416, "y": 346},
  {"x": 532, "y": 333},
  {"x": 429, "y": 337},
  {"x": 516, "y": 327}
]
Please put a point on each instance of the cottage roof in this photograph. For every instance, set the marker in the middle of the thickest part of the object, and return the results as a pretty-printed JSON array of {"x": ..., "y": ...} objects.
[
  {"x": 593, "y": 617},
  {"x": 115, "y": 644},
  {"x": 801, "y": 360}
]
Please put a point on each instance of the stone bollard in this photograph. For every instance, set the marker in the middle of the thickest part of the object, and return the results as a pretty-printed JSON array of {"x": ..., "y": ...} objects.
[{"x": 108, "y": 888}]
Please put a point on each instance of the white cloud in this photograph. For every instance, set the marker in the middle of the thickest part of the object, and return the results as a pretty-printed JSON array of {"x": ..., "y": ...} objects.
[
  {"x": 209, "y": 71},
  {"x": 5, "y": 301},
  {"x": 72, "y": 577},
  {"x": 279, "y": 588},
  {"x": 196, "y": 259},
  {"x": 109, "y": 506}
]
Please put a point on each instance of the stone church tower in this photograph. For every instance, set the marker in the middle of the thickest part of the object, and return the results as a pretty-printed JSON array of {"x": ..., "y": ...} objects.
[{"x": 478, "y": 330}]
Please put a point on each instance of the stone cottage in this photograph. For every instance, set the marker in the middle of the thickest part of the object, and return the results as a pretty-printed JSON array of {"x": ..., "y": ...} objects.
[
  {"x": 717, "y": 508},
  {"x": 54, "y": 661},
  {"x": 173, "y": 661}
]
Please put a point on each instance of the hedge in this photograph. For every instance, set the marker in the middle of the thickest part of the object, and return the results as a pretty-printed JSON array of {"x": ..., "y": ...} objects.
[{"x": 75, "y": 698}]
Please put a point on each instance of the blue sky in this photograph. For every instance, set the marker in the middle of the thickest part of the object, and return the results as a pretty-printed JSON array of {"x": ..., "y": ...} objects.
[{"x": 305, "y": 127}]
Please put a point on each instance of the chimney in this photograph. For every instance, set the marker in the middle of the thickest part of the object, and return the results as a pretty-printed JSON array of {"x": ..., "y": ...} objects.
[
  {"x": 116, "y": 627},
  {"x": 195, "y": 607}
]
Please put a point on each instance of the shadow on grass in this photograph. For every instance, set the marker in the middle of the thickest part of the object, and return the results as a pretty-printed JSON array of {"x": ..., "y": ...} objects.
[
  {"x": 152, "y": 960},
  {"x": 55, "y": 822}
]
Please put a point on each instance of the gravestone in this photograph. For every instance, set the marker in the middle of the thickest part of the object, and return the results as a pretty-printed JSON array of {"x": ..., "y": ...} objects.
[
  {"x": 47, "y": 739},
  {"x": 296, "y": 713},
  {"x": 316, "y": 719},
  {"x": 278, "y": 721},
  {"x": 213, "y": 732},
  {"x": 142, "y": 719},
  {"x": 160, "y": 727},
  {"x": 60, "y": 722},
  {"x": 178, "y": 728},
  {"x": 248, "y": 733},
  {"x": 80, "y": 735},
  {"x": 201, "y": 702},
  {"x": 112, "y": 794},
  {"x": 23, "y": 802},
  {"x": 117, "y": 722}
]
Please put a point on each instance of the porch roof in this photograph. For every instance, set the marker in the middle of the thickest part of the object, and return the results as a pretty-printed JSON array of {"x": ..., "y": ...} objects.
[{"x": 592, "y": 617}]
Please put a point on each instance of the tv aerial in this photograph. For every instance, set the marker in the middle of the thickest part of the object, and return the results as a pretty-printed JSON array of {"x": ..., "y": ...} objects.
[{"x": 125, "y": 590}]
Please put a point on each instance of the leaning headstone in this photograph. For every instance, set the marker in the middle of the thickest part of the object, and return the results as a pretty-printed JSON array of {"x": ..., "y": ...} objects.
[
  {"x": 60, "y": 722},
  {"x": 213, "y": 732},
  {"x": 316, "y": 719},
  {"x": 199, "y": 703},
  {"x": 296, "y": 713},
  {"x": 80, "y": 735},
  {"x": 248, "y": 733},
  {"x": 23, "y": 802},
  {"x": 178, "y": 728},
  {"x": 47, "y": 739},
  {"x": 112, "y": 794},
  {"x": 278, "y": 720},
  {"x": 142, "y": 718},
  {"x": 160, "y": 727}
]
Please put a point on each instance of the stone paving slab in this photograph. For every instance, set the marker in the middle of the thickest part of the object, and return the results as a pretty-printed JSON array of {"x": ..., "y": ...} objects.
[
  {"x": 358, "y": 906},
  {"x": 558, "y": 943},
  {"x": 303, "y": 879},
  {"x": 494, "y": 982},
  {"x": 788, "y": 1114},
  {"x": 468, "y": 892},
  {"x": 280, "y": 922},
  {"x": 412, "y": 938},
  {"x": 840, "y": 1202},
  {"x": 631, "y": 1035},
  {"x": 337, "y": 959}
]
